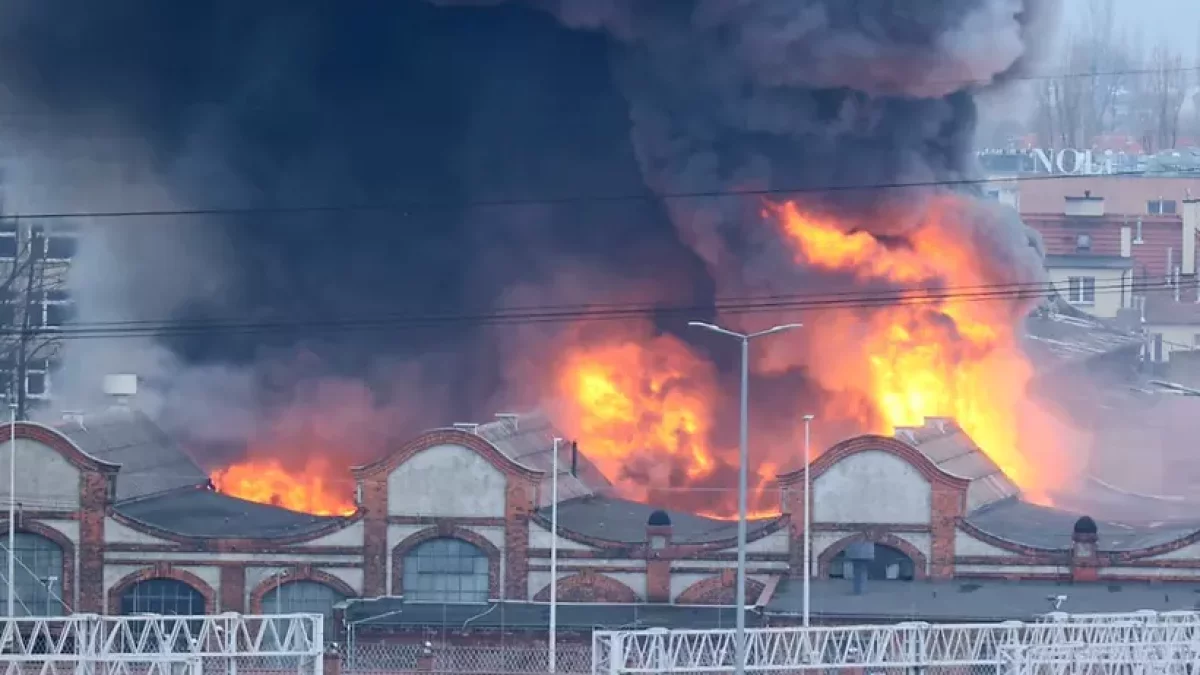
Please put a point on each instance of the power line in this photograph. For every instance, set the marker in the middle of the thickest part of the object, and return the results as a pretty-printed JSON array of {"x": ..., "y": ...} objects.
[{"x": 533, "y": 316}]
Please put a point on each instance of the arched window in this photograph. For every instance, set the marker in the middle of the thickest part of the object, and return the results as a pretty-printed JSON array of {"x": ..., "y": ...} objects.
[
  {"x": 446, "y": 570},
  {"x": 889, "y": 564},
  {"x": 37, "y": 583},
  {"x": 162, "y": 596},
  {"x": 301, "y": 597}
]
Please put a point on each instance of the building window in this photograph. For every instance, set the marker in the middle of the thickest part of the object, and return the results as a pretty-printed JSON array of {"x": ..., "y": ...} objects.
[
  {"x": 1081, "y": 290},
  {"x": 890, "y": 564},
  {"x": 301, "y": 597},
  {"x": 1083, "y": 243},
  {"x": 446, "y": 570},
  {"x": 162, "y": 596},
  {"x": 37, "y": 583},
  {"x": 1160, "y": 206}
]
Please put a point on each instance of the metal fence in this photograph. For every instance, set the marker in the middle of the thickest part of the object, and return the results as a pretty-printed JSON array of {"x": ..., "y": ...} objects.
[
  {"x": 224, "y": 644},
  {"x": 437, "y": 657}
]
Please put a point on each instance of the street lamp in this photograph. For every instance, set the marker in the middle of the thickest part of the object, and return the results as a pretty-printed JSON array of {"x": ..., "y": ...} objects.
[
  {"x": 744, "y": 461},
  {"x": 807, "y": 517}
]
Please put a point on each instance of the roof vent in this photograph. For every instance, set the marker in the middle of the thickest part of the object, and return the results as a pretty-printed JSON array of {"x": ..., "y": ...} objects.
[
  {"x": 1085, "y": 525},
  {"x": 510, "y": 417},
  {"x": 121, "y": 387},
  {"x": 469, "y": 427}
]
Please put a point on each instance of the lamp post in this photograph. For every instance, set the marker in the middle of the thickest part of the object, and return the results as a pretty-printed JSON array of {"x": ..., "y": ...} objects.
[
  {"x": 552, "y": 655},
  {"x": 12, "y": 504},
  {"x": 807, "y": 517},
  {"x": 743, "y": 468}
]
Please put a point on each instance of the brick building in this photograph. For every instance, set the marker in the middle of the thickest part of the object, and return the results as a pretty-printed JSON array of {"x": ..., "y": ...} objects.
[
  {"x": 1107, "y": 262},
  {"x": 453, "y": 531}
]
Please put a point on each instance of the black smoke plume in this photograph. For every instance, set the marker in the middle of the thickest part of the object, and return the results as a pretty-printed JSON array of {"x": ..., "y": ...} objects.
[{"x": 134, "y": 105}]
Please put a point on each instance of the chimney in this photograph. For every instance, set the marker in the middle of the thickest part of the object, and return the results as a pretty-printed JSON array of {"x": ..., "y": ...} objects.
[
  {"x": 658, "y": 557},
  {"x": 1126, "y": 241},
  {"x": 1085, "y": 206},
  {"x": 575, "y": 456},
  {"x": 1085, "y": 562},
  {"x": 1191, "y": 224},
  {"x": 121, "y": 387}
]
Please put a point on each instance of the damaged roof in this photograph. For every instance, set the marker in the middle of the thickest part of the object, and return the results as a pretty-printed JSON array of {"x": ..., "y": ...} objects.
[
  {"x": 204, "y": 513},
  {"x": 151, "y": 461},
  {"x": 528, "y": 440},
  {"x": 1057, "y": 332},
  {"x": 953, "y": 451}
]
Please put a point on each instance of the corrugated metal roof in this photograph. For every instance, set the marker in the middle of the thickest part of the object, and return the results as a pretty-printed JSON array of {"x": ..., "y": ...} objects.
[
  {"x": 1047, "y": 527},
  {"x": 952, "y": 451},
  {"x": 1059, "y": 332},
  {"x": 151, "y": 461},
  {"x": 528, "y": 439}
]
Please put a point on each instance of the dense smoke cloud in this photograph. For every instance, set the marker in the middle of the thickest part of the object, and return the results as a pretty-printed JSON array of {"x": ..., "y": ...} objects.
[{"x": 286, "y": 104}]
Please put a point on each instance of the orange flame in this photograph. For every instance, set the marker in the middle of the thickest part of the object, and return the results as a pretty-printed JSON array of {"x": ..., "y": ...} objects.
[
  {"x": 266, "y": 481},
  {"x": 936, "y": 355},
  {"x": 643, "y": 411}
]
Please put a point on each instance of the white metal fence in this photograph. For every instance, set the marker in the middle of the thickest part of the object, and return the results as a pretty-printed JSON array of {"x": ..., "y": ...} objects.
[
  {"x": 87, "y": 644},
  {"x": 1143, "y": 643}
]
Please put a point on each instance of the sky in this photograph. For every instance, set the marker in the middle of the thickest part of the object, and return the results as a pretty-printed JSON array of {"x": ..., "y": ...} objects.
[{"x": 1175, "y": 21}]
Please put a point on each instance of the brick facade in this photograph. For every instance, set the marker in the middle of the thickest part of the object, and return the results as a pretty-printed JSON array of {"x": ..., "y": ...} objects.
[
  {"x": 592, "y": 570},
  {"x": 947, "y": 503},
  {"x": 588, "y": 586}
]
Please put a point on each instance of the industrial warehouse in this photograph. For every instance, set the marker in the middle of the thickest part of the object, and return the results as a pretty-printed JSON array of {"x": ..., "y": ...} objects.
[{"x": 451, "y": 534}]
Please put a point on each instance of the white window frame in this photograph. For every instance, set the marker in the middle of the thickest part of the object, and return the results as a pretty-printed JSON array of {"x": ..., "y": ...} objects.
[{"x": 1081, "y": 290}]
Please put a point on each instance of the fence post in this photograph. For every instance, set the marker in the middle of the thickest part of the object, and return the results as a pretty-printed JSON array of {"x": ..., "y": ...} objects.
[
  {"x": 425, "y": 660},
  {"x": 331, "y": 662}
]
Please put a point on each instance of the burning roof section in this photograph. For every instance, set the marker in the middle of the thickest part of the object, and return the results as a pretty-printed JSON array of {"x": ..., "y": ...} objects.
[
  {"x": 160, "y": 486},
  {"x": 528, "y": 439},
  {"x": 952, "y": 451}
]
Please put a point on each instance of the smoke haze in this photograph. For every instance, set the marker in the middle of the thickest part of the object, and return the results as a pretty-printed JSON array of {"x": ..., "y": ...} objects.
[{"x": 134, "y": 105}]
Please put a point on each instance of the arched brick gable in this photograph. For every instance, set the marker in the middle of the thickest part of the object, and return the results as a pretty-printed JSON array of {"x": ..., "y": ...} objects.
[
  {"x": 481, "y": 446},
  {"x": 867, "y": 443},
  {"x": 67, "y": 580},
  {"x": 719, "y": 590},
  {"x": 446, "y": 532},
  {"x": 588, "y": 586},
  {"x": 920, "y": 564},
  {"x": 55, "y": 440},
  {"x": 301, "y": 573},
  {"x": 161, "y": 571}
]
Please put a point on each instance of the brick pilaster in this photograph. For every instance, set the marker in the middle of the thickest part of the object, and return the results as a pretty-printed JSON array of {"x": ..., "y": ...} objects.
[
  {"x": 945, "y": 510},
  {"x": 518, "y": 507},
  {"x": 793, "y": 507},
  {"x": 232, "y": 593},
  {"x": 93, "y": 505},
  {"x": 375, "y": 549},
  {"x": 658, "y": 562}
]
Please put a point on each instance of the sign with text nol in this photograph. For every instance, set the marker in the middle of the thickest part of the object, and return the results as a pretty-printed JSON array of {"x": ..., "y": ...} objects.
[{"x": 1071, "y": 162}]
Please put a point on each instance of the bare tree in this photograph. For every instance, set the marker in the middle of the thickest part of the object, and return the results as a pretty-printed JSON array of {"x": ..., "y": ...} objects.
[
  {"x": 1167, "y": 85},
  {"x": 34, "y": 259}
]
